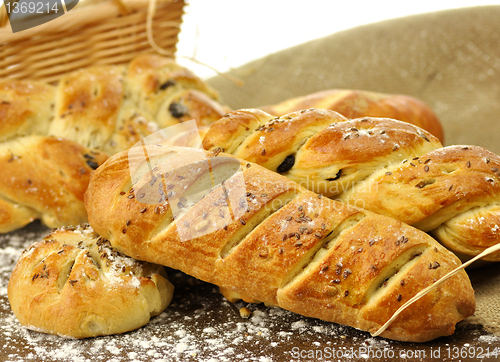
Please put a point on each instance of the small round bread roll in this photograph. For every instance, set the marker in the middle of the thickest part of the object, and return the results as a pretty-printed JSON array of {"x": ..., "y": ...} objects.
[{"x": 73, "y": 284}]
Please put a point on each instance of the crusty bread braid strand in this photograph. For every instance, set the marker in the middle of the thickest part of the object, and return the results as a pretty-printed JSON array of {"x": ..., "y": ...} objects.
[{"x": 383, "y": 165}]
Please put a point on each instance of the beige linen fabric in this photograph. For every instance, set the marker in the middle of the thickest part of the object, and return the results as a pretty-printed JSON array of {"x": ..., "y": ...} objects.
[
  {"x": 486, "y": 284},
  {"x": 448, "y": 59}
]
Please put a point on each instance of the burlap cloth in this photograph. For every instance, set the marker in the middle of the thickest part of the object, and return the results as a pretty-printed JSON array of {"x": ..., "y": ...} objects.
[{"x": 448, "y": 59}]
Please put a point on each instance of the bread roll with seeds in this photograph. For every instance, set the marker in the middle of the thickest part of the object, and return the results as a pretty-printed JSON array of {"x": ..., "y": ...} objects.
[
  {"x": 361, "y": 103},
  {"x": 383, "y": 165},
  {"x": 262, "y": 237},
  {"x": 73, "y": 284},
  {"x": 44, "y": 178},
  {"x": 109, "y": 108}
]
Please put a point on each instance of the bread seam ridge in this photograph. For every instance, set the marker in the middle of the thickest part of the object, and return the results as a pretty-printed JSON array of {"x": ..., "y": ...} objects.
[
  {"x": 250, "y": 132},
  {"x": 352, "y": 185},
  {"x": 463, "y": 207},
  {"x": 14, "y": 203},
  {"x": 326, "y": 243},
  {"x": 286, "y": 199},
  {"x": 375, "y": 292}
]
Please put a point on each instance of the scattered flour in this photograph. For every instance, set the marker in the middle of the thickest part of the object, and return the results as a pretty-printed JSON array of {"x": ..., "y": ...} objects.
[
  {"x": 489, "y": 339},
  {"x": 198, "y": 326}
]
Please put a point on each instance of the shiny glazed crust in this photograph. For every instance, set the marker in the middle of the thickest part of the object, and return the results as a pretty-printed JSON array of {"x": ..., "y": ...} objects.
[
  {"x": 361, "y": 103},
  {"x": 262, "y": 237},
  {"x": 73, "y": 284},
  {"x": 383, "y": 165}
]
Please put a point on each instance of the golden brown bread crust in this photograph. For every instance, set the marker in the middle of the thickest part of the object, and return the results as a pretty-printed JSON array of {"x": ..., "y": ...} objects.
[
  {"x": 318, "y": 148},
  {"x": 383, "y": 165},
  {"x": 87, "y": 105},
  {"x": 452, "y": 192},
  {"x": 25, "y": 108},
  {"x": 171, "y": 93},
  {"x": 108, "y": 107},
  {"x": 360, "y": 103},
  {"x": 264, "y": 237},
  {"x": 44, "y": 178},
  {"x": 439, "y": 184},
  {"x": 73, "y": 284}
]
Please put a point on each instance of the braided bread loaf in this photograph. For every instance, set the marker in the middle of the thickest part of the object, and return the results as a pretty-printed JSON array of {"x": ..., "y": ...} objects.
[
  {"x": 44, "y": 178},
  {"x": 108, "y": 108},
  {"x": 360, "y": 103},
  {"x": 103, "y": 108},
  {"x": 383, "y": 165},
  {"x": 260, "y": 236},
  {"x": 74, "y": 284}
]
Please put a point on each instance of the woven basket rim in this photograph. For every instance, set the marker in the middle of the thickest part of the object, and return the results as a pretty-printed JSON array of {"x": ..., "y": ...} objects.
[
  {"x": 112, "y": 34},
  {"x": 79, "y": 16}
]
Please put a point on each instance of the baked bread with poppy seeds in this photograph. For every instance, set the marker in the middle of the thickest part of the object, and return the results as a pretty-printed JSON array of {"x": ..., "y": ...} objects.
[
  {"x": 262, "y": 237},
  {"x": 383, "y": 165},
  {"x": 73, "y": 284}
]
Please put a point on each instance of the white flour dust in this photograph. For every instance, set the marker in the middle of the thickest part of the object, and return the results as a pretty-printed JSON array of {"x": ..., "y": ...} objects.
[{"x": 199, "y": 325}]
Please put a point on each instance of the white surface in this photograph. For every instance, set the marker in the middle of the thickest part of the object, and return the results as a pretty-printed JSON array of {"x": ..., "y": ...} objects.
[{"x": 224, "y": 34}]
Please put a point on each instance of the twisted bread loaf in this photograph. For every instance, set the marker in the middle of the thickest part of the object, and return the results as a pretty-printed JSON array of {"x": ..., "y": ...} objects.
[
  {"x": 383, "y": 165},
  {"x": 75, "y": 285},
  {"x": 44, "y": 178},
  {"x": 260, "y": 236},
  {"x": 103, "y": 108},
  {"x": 108, "y": 108},
  {"x": 359, "y": 103}
]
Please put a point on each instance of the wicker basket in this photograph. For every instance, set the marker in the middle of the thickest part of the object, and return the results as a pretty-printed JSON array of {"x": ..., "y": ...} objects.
[{"x": 95, "y": 32}]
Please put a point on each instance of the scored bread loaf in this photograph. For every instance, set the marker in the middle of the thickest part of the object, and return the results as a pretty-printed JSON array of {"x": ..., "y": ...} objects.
[
  {"x": 73, "y": 284},
  {"x": 262, "y": 237},
  {"x": 383, "y": 165},
  {"x": 108, "y": 107},
  {"x": 44, "y": 178},
  {"x": 362, "y": 103}
]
